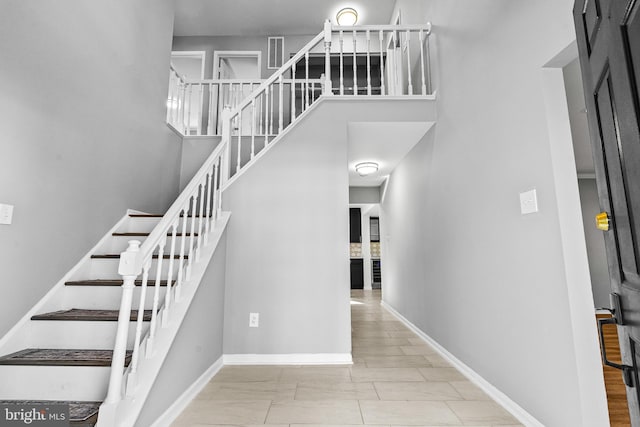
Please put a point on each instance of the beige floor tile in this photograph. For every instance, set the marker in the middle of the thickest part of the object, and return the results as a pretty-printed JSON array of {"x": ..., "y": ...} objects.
[
  {"x": 482, "y": 412},
  {"x": 315, "y": 412},
  {"x": 437, "y": 361},
  {"x": 248, "y": 391},
  {"x": 404, "y": 334},
  {"x": 334, "y": 391},
  {"x": 417, "y": 341},
  {"x": 374, "y": 333},
  {"x": 385, "y": 374},
  {"x": 396, "y": 362},
  {"x": 442, "y": 374},
  {"x": 381, "y": 341},
  {"x": 377, "y": 351},
  {"x": 248, "y": 374},
  {"x": 316, "y": 374},
  {"x": 469, "y": 391},
  {"x": 412, "y": 350},
  {"x": 224, "y": 412},
  {"x": 441, "y": 391},
  {"x": 408, "y": 413}
]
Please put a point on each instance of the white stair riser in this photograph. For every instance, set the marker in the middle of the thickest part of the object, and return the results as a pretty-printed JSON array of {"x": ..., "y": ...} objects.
[
  {"x": 108, "y": 269},
  {"x": 138, "y": 225},
  {"x": 53, "y": 382},
  {"x": 95, "y": 335},
  {"x": 118, "y": 244},
  {"x": 106, "y": 297}
]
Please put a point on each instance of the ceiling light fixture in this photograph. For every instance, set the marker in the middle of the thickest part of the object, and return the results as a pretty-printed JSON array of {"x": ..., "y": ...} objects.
[
  {"x": 347, "y": 16},
  {"x": 366, "y": 168}
]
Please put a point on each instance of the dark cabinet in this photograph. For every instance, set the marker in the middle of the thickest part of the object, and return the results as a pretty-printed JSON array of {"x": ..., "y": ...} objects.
[
  {"x": 355, "y": 233},
  {"x": 357, "y": 274}
]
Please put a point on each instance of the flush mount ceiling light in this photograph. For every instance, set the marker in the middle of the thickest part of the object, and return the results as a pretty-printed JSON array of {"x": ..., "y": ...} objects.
[
  {"x": 347, "y": 16},
  {"x": 366, "y": 168}
]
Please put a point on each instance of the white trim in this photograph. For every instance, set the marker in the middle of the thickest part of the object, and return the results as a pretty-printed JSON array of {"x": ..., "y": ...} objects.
[
  {"x": 289, "y": 359},
  {"x": 189, "y": 394},
  {"x": 238, "y": 54},
  {"x": 502, "y": 399},
  {"x": 591, "y": 393},
  {"x": 199, "y": 54}
]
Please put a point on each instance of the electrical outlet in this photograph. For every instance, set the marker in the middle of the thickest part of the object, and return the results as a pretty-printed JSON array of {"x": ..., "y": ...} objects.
[
  {"x": 6, "y": 214},
  {"x": 254, "y": 320}
]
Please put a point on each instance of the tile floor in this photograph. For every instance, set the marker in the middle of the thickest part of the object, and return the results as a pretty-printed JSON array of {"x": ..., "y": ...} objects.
[{"x": 396, "y": 380}]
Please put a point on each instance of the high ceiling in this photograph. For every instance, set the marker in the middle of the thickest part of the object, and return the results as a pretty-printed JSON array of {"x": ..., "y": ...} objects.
[{"x": 274, "y": 17}]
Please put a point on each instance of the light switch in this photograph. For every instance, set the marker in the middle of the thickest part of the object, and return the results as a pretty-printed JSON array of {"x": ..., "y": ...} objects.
[
  {"x": 528, "y": 202},
  {"x": 6, "y": 214}
]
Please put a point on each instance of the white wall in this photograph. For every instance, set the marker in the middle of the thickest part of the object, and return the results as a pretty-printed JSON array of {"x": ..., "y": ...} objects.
[
  {"x": 461, "y": 262},
  {"x": 364, "y": 194},
  {"x": 596, "y": 252},
  {"x": 287, "y": 256},
  {"x": 83, "y": 89}
]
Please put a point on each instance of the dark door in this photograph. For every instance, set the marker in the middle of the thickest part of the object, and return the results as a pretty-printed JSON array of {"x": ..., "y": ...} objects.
[
  {"x": 355, "y": 226},
  {"x": 608, "y": 33},
  {"x": 357, "y": 274}
]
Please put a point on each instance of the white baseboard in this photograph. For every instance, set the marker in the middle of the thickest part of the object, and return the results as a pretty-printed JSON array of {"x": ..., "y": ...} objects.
[
  {"x": 185, "y": 398},
  {"x": 288, "y": 359},
  {"x": 502, "y": 399}
]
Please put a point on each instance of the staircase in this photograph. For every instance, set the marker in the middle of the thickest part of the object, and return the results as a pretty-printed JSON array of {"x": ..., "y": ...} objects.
[{"x": 97, "y": 340}]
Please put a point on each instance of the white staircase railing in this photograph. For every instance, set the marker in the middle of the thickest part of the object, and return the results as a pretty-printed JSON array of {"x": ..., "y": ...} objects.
[
  {"x": 360, "y": 61},
  {"x": 164, "y": 260},
  {"x": 366, "y": 60}
]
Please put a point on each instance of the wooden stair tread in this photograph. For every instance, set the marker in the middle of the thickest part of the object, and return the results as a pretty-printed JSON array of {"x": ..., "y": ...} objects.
[
  {"x": 134, "y": 234},
  {"x": 117, "y": 256},
  {"x": 80, "y": 413},
  {"x": 89, "y": 315},
  {"x": 61, "y": 357},
  {"x": 113, "y": 282}
]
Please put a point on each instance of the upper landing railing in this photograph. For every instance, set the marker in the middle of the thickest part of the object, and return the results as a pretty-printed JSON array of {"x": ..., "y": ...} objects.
[{"x": 366, "y": 60}]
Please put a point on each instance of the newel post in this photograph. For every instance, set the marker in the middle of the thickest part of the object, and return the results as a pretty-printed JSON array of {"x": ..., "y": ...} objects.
[
  {"x": 327, "y": 58},
  {"x": 129, "y": 270}
]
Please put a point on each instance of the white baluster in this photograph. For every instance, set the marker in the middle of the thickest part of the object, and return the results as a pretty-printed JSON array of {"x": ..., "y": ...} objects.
[
  {"x": 327, "y": 58},
  {"x": 428, "y": 63},
  {"x": 280, "y": 104},
  {"x": 182, "y": 112},
  {"x": 225, "y": 167},
  {"x": 239, "y": 141},
  {"x": 211, "y": 115},
  {"x": 170, "y": 96},
  {"x": 131, "y": 379},
  {"x": 188, "y": 127},
  {"x": 421, "y": 39},
  {"x": 208, "y": 213},
  {"x": 368, "y": 63},
  {"x": 156, "y": 299},
  {"x": 410, "y": 87},
  {"x": 266, "y": 117},
  {"x": 200, "y": 109},
  {"x": 200, "y": 219},
  {"x": 293, "y": 92},
  {"x": 180, "y": 272},
  {"x": 306, "y": 80},
  {"x": 382, "y": 88},
  {"x": 129, "y": 270},
  {"x": 253, "y": 128},
  {"x": 216, "y": 193},
  {"x": 191, "y": 239},
  {"x": 167, "y": 296},
  {"x": 355, "y": 65},
  {"x": 341, "y": 63}
]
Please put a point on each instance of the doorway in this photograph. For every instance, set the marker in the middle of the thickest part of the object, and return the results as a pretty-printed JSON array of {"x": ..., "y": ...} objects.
[
  {"x": 243, "y": 67},
  {"x": 571, "y": 229},
  {"x": 190, "y": 65}
]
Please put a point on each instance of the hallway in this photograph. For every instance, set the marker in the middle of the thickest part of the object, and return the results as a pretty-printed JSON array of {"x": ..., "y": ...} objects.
[{"x": 396, "y": 380}]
